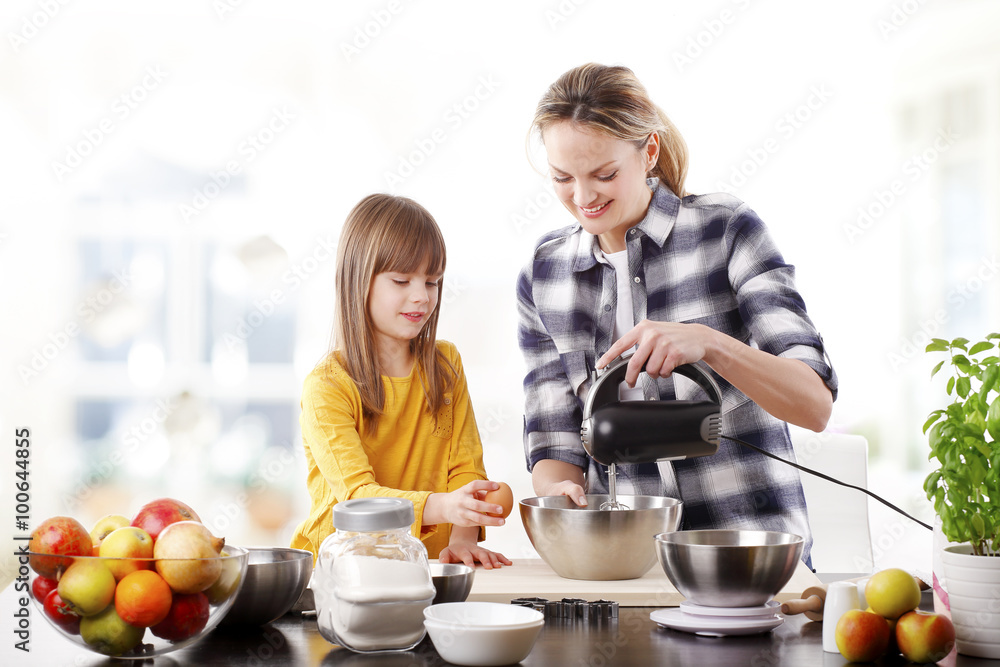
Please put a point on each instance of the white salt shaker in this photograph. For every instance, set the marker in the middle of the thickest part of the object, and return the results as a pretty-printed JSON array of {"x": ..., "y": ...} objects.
[{"x": 841, "y": 596}]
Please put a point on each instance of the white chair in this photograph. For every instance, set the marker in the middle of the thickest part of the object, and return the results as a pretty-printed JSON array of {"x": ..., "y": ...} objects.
[{"x": 838, "y": 515}]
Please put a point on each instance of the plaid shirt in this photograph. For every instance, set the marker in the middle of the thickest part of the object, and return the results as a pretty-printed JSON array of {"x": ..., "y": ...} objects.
[{"x": 703, "y": 259}]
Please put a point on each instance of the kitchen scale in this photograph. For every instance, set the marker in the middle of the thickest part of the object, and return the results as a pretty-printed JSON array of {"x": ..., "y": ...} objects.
[{"x": 719, "y": 621}]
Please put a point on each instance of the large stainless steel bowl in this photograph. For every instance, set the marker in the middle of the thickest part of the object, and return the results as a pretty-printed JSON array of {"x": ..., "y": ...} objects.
[
  {"x": 274, "y": 580},
  {"x": 729, "y": 568},
  {"x": 595, "y": 544}
]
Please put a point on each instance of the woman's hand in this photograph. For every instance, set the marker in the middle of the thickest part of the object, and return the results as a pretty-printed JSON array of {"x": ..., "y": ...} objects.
[
  {"x": 550, "y": 477},
  {"x": 661, "y": 346},
  {"x": 463, "y": 507},
  {"x": 567, "y": 488},
  {"x": 786, "y": 388},
  {"x": 463, "y": 550}
]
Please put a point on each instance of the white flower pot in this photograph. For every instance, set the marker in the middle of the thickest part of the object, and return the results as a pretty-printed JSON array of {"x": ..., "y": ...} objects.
[{"x": 974, "y": 594}]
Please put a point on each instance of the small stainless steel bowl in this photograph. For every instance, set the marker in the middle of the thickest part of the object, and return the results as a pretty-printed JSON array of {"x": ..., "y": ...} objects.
[
  {"x": 452, "y": 581},
  {"x": 594, "y": 544},
  {"x": 729, "y": 568},
  {"x": 274, "y": 581}
]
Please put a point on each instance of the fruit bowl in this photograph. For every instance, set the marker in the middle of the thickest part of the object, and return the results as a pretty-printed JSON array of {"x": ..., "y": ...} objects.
[{"x": 104, "y": 592}]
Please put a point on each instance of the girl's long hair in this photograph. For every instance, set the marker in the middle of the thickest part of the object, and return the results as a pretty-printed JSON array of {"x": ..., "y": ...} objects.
[
  {"x": 612, "y": 101},
  {"x": 386, "y": 233}
]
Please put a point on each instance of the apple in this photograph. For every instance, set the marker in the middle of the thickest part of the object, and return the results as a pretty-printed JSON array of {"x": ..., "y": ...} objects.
[
  {"x": 893, "y": 646},
  {"x": 156, "y": 515},
  {"x": 892, "y": 592},
  {"x": 862, "y": 636},
  {"x": 60, "y": 614},
  {"x": 225, "y": 586},
  {"x": 41, "y": 586},
  {"x": 187, "y": 617},
  {"x": 87, "y": 586},
  {"x": 924, "y": 637},
  {"x": 127, "y": 543},
  {"x": 107, "y": 633},
  {"x": 60, "y": 535},
  {"x": 105, "y": 525},
  {"x": 187, "y": 556}
]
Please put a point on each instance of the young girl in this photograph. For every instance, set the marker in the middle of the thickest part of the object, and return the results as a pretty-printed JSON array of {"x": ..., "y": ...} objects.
[
  {"x": 680, "y": 278},
  {"x": 388, "y": 413}
]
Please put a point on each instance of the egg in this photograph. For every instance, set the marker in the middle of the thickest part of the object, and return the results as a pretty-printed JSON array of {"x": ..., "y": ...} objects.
[{"x": 503, "y": 497}]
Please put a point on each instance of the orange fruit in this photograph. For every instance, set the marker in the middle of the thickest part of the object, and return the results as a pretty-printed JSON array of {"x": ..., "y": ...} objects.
[{"x": 143, "y": 598}]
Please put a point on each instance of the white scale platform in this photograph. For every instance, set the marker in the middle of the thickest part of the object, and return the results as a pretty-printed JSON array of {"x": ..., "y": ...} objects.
[{"x": 719, "y": 621}]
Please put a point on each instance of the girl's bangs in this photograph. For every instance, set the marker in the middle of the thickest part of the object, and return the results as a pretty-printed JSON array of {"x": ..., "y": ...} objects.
[{"x": 417, "y": 244}]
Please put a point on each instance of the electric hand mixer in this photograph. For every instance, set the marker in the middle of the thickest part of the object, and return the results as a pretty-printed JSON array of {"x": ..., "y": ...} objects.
[{"x": 616, "y": 431}]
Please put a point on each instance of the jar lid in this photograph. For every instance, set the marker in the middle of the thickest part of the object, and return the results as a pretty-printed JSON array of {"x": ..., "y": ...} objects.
[{"x": 366, "y": 514}]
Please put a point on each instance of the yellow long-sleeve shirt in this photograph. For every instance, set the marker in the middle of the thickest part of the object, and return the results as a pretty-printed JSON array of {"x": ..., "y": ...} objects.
[{"x": 409, "y": 456}]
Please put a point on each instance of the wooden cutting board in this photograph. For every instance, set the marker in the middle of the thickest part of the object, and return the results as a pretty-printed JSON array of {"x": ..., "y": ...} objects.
[{"x": 532, "y": 578}]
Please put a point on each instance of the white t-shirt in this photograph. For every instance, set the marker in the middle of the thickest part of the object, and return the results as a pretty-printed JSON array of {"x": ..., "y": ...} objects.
[
  {"x": 624, "y": 322},
  {"x": 624, "y": 319}
]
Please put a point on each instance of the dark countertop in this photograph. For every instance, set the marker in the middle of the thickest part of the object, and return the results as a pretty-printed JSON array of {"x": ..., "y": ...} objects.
[{"x": 294, "y": 640}]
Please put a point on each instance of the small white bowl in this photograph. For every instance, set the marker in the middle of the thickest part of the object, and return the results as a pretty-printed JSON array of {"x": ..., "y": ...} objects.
[{"x": 482, "y": 633}]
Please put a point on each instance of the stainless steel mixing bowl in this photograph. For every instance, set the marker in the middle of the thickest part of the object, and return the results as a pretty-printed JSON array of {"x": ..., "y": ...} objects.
[
  {"x": 729, "y": 568},
  {"x": 594, "y": 544},
  {"x": 275, "y": 578},
  {"x": 452, "y": 582}
]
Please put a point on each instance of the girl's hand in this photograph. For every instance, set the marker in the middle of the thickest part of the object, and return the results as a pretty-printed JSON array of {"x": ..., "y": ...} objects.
[
  {"x": 470, "y": 554},
  {"x": 464, "y": 507},
  {"x": 661, "y": 346}
]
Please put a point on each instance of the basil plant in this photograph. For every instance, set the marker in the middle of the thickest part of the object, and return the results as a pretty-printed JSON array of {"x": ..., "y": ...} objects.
[{"x": 964, "y": 437}]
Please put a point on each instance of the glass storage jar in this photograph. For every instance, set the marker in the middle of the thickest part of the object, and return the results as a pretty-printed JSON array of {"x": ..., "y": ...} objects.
[{"x": 372, "y": 579}]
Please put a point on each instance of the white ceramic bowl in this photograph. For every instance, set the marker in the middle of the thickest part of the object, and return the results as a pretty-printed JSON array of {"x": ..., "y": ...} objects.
[{"x": 482, "y": 633}]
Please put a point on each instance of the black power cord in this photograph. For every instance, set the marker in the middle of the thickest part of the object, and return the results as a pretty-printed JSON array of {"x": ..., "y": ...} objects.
[{"x": 827, "y": 478}]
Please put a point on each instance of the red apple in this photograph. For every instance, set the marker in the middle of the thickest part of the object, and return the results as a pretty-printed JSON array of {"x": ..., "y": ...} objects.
[
  {"x": 924, "y": 637},
  {"x": 41, "y": 586},
  {"x": 187, "y": 556},
  {"x": 187, "y": 617},
  {"x": 60, "y": 613},
  {"x": 862, "y": 636},
  {"x": 60, "y": 535},
  {"x": 154, "y": 516}
]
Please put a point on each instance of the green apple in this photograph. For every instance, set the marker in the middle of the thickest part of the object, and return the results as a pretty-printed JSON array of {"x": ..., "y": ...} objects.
[
  {"x": 227, "y": 583},
  {"x": 892, "y": 592},
  {"x": 105, "y": 525},
  {"x": 87, "y": 586},
  {"x": 107, "y": 633},
  {"x": 127, "y": 543}
]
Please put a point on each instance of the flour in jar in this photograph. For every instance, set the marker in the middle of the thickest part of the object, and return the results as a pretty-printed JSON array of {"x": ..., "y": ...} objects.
[{"x": 378, "y": 603}]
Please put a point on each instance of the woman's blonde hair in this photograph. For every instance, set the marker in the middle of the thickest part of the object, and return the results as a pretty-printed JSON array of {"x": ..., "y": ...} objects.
[
  {"x": 610, "y": 100},
  {"x": 386, "y": 233}
]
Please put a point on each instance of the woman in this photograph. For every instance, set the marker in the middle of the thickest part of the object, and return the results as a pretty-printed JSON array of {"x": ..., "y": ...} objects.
[{"x": 681, "y": 279}]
